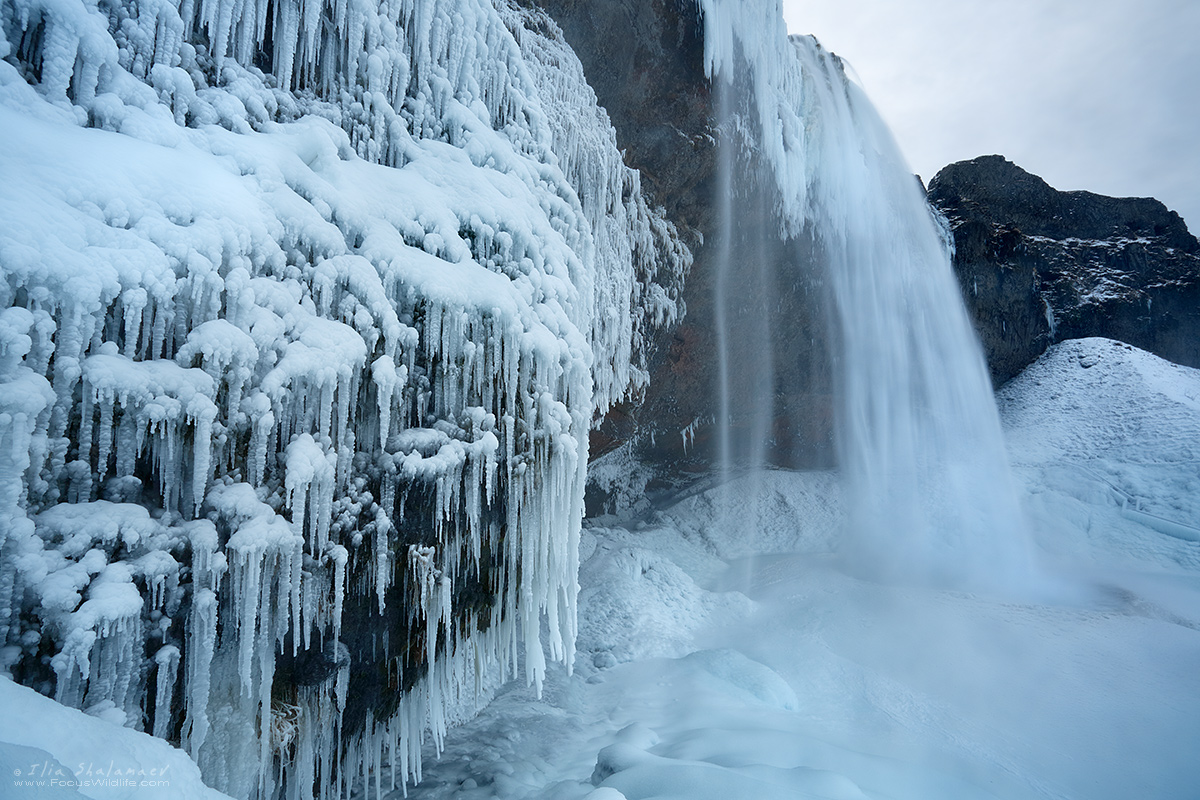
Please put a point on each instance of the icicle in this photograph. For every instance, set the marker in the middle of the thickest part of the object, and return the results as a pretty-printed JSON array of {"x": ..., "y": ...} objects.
[
  {"x": 264, "y": 648},
  {"x": 384, "y": 374},
  {"x": 106, "y": 402},
  {"x": 201, "y": 413},
  {"x": 247, "y": 579},
  {"x": 263, "y": 422},
  {"x": 383, "y": 527},
  {"x": 310, "y": 483},
  {"x": 340, "y": 557},
  {"x": 167, "y": 659},
  {"x": 134, "y": 302},
  {"x": 295, "y": 600}
]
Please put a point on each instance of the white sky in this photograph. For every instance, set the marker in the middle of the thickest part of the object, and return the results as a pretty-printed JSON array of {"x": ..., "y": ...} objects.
[{"x": 1102, "y": 95}]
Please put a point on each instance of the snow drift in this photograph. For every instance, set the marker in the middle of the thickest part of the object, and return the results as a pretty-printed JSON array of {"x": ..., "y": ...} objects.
[{"x": 712, "y": 666}]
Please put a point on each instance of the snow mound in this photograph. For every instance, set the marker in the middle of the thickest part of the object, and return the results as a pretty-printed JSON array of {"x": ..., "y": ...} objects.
[
  {"x": 49, "y": 750},
  {"x": 769, "y": 511},
  {"x": 1096, "y": 398},
  {"x": 1107, "y": 438},
  {"x": 643, "y": 596},
  {"x": 648, "y": 592}
]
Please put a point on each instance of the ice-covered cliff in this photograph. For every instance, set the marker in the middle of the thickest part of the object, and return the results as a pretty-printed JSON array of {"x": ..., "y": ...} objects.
[{"x": 307, "y": 308}]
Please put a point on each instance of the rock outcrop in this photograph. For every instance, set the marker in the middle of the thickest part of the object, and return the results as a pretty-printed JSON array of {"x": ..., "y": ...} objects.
[{"x": 1037, "y": 265}]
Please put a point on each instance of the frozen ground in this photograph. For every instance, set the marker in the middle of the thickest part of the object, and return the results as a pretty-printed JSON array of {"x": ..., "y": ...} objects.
[
  {"x": 724, "y": 651},
  {"x": 729, "y": 654}
]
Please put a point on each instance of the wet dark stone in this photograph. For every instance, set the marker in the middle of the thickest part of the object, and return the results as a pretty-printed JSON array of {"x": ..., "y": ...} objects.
[{"x": 645, "y": 61}]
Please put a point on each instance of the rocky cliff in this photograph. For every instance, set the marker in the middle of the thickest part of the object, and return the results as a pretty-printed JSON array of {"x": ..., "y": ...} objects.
[
  {"x": 645, "y": 62},
  {"x": 1037, "y": 265}
]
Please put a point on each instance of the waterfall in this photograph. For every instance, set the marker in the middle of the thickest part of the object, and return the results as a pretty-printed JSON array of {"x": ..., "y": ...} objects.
[
  {"x": 742, "y": 304},
  {"x": 918, "y": 441}
]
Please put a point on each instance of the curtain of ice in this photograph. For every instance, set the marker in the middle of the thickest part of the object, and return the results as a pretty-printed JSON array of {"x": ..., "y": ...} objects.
[{"x": 276, "y": 292}]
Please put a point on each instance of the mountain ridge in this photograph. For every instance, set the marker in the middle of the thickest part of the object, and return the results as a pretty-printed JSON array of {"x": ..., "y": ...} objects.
[{"x": 1037, "y": 265}]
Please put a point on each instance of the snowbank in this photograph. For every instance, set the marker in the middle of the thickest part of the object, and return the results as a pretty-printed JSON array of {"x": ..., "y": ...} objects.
[
  {"x": 1109, "y": 436},
  {"x": 49, "y": 750}
]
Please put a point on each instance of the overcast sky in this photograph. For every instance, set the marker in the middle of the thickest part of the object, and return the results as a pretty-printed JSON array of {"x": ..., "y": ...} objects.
[{"x": 1102, "y": 95}]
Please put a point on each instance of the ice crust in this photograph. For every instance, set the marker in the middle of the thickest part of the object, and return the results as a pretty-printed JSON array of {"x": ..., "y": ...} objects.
[
  {"x": 253, "y": 294},
  {"x": 715, "y": 666}
]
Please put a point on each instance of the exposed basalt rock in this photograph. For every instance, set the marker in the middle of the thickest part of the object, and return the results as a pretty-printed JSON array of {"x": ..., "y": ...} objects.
[
  {"x": 645, "y": 62},
  {"x": 1038, "y": 265}
]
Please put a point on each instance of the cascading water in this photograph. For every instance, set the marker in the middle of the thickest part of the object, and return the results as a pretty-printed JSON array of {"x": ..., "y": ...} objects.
[
  {"x": 741, "y": 308},
  {"x": 918, "y": 440}
]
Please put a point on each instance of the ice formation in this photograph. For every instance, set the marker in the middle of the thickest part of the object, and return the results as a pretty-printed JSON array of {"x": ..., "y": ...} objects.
[
  {"x": 918, "y": 436},
  {"x": 305, "y": 303}
]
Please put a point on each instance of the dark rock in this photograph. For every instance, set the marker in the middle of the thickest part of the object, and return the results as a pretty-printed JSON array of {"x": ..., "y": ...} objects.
[
  {"x": 1037, "y": 265},
  {"x": 313, "y": 666},
  {"x": 645, "y": 61}
]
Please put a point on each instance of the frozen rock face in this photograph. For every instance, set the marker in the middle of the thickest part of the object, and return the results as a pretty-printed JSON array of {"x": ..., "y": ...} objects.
[
  {"x": 1037, "y": 266},
  {"x": 306, "y": 310}
]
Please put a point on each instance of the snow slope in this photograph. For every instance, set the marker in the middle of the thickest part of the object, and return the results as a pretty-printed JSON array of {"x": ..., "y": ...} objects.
[
  {"x": 1107, "y": 433},
  {"x": 49, "y": 750},
  {"x": 759, "y": 667}
]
